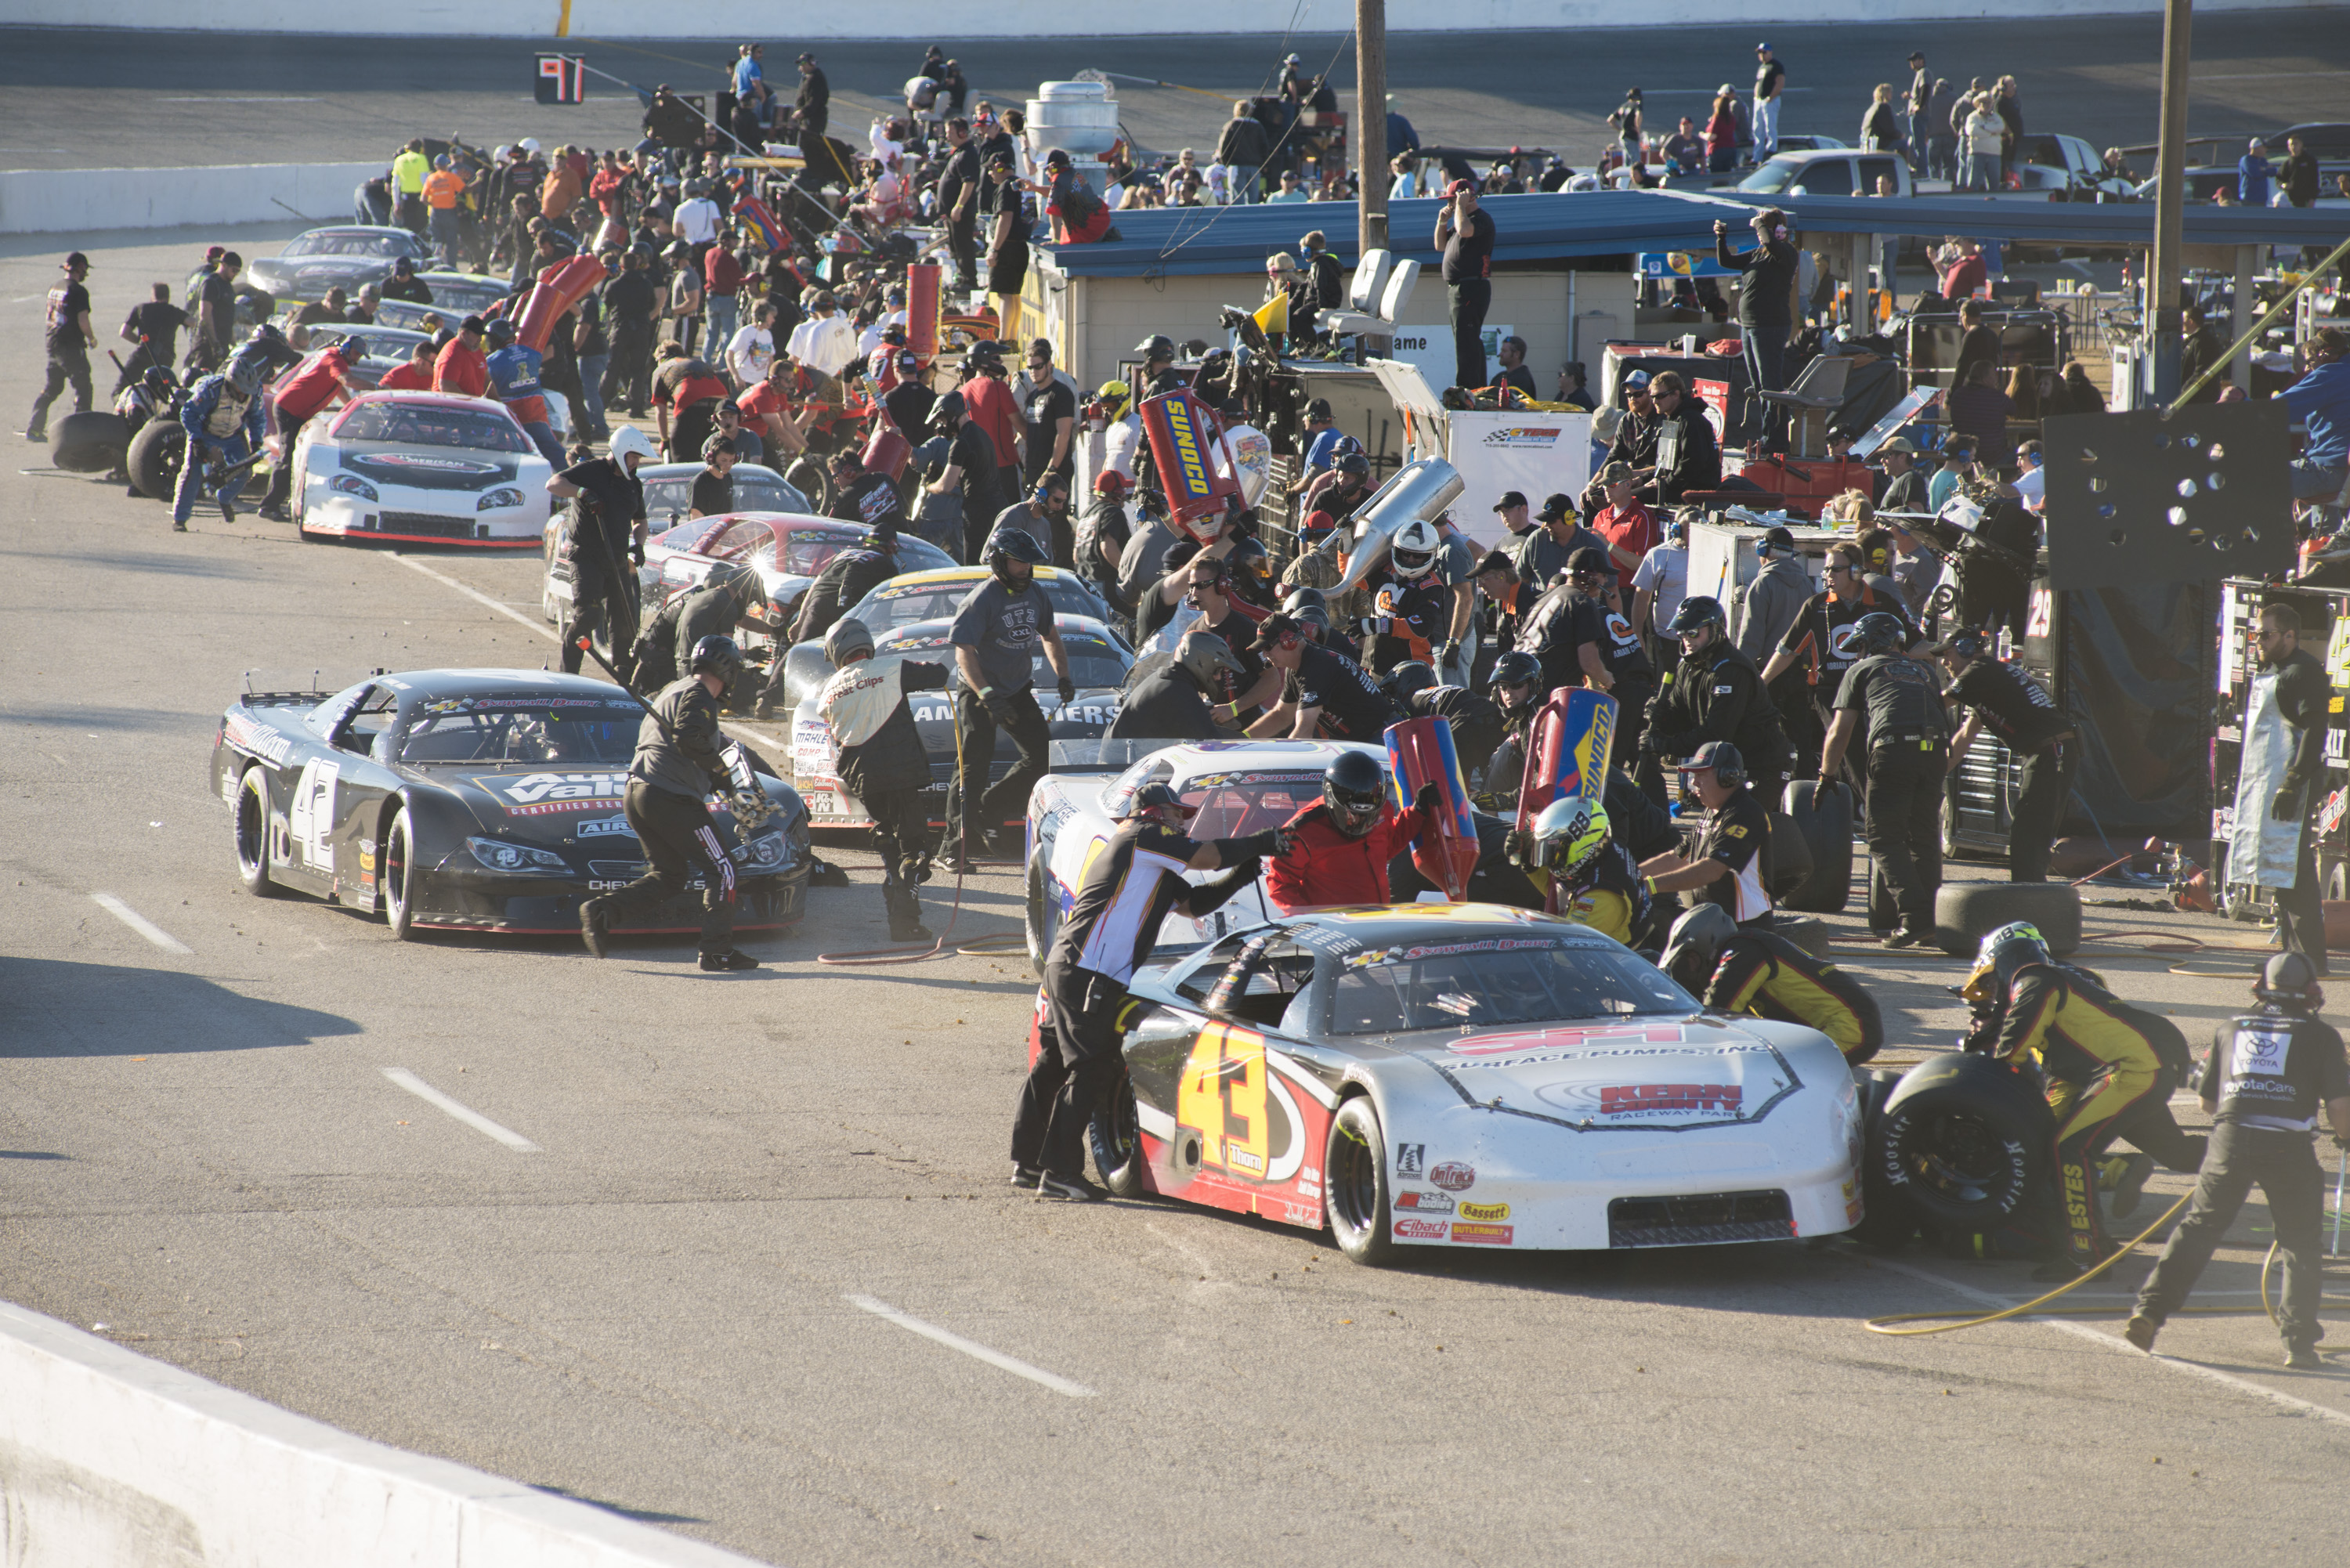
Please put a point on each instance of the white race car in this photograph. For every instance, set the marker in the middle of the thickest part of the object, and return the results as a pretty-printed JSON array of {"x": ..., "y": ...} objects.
[
  {"x": 1476, "y": 1077},
  {"x": 1098, "y": 664},
  {"x": 1239, "y": 787},
  {"x": 421, "y": 468}
]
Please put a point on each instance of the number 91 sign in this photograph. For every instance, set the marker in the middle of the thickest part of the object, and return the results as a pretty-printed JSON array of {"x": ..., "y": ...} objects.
[{"x": 562, "y": 79}]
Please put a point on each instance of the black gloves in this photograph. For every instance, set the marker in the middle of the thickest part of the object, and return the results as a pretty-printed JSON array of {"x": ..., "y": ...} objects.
[
  {"x": 1068, "y": 691},
  {"x": 1273, "y": 841},
  {"x": 1428, "y": 797},
  {"x": 998, "y": 704},
  {"x": 2286, "y": 805},
  {"x": 1211, "y": 896},
  {"x": 638, "y": 556}
]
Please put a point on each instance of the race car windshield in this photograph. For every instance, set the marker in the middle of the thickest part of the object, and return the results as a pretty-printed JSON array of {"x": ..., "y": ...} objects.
[
  {"x": 498, "y": 731},
  {"x": 421, "y": 424},
  {"x": 1092, "y": 661},
  {"x": 1480, "y": 982},
  {"x": 1234, "y": 805},
  {"x": 349, "y": 246},
  {"x": 903, "y": 605},
  {"x": 454, "y": 294}
]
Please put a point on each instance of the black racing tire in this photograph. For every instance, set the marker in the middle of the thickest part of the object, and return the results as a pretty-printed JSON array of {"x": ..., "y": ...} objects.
[
  {"x": 1823, "y": 815},
  {"x": 249, "y": 828},
  {"x": 398, "y": 875},
  {"x": 156, "y": 455},
  {"x": 1964, "y": 912},
  {"x": 1115, "y": 1136},
  {"x": 1355, "y": 1182},
  {"x": 807, "y": 474},
  {"x": 1965, "y": 1141},
  {"x": 1791, "y": 858},
  {"x": 92, "y": 441},
  {"x": 1887, "y": 1222}
]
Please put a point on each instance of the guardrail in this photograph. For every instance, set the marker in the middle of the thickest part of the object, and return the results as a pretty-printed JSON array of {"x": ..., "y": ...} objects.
[{"x": 92, "y": 201}]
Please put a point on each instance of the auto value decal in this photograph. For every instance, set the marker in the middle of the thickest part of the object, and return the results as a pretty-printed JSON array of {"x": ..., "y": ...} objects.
[{"x": 548, "y": 795}]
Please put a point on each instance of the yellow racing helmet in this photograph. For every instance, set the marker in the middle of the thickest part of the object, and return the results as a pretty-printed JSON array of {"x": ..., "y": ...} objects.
[
  {"x": 1569, "y": 835},
  {"x": 1115, "y": 395}
]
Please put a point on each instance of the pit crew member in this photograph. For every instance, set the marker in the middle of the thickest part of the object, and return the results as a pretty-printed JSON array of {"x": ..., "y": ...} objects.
[
  {"x": 1323, "y": 693},
  {"x": 1715, "y": 693},
  {"x": 2010, "y": 701},
  {"x": 1133, "y": 884},
  {"x": 713, "y": 609},
  {"x": 324, "y": 380},
  {"x": 1728, "y": 867},
  {"x": 1171, "y": 702},
  {"x": 1339, "y": 847},
  {"x": 1765, "y": 975},
  {"x": 1593, "y": 880},
  {"x": 607, "y": 531},
  {"x": 1476, "y": 723},
  {"x": 222, "y": 418},
  {"x": 677, "y": 763},
  {"x": 995, "y": 633},
  {"x": 2267, "y": 1075},
  {"x": 516, "y": 374},
  {"x": 1905, "y": 739},
  {"x": 882, "y": 761},
  {"x": 1411, "y": 612}
]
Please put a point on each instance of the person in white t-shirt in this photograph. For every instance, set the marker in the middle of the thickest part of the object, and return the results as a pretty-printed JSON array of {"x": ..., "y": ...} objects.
[
  {"x": 2032, "y": 482},
  {"x": 1658, "y": 586},
  {"x": 698, "y": 218},
  {"x": 753, "y": 350},
  {"x": 827, "y": 340}
]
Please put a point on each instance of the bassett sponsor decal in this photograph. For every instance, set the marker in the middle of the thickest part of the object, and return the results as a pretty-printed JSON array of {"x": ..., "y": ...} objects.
[
  {"x": 1454, "y": 1176},
  {"x": 1412, "y": 1229},
  {"x": 1484, "y": 1211},
  {"x": 545, "y": 794},
  {"x": 1486, "y": 1235}
]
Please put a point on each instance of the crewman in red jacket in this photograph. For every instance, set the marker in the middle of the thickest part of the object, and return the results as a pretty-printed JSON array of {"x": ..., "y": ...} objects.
[{"x": 1338, "y": 850}]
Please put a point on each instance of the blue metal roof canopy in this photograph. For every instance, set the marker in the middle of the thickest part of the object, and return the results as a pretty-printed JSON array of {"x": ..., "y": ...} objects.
[{"x": 1191, "y": 242}]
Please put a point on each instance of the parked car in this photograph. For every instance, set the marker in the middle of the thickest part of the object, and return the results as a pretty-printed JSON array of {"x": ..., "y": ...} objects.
[
  {"x": 455, "y": 296},
  {"x": 345, "y": 254}
]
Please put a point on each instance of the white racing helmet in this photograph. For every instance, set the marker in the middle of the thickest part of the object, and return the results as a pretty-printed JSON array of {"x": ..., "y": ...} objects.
[
  {"x": 628, "y": 438},
  {"x": 1413, "y": 550}
]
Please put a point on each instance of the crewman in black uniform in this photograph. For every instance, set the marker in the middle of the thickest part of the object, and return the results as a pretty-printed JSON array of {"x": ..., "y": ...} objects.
[
  {"x": 2267, "y": 1075},
  {"x": 1715, "y": 693},
  {"x": 1728, "y": 867},
  {"x": 2100, "y": 1066},
  {"x": 2016, "y": 708},
  {"x": 2303, "y": 695},
  {"x": 1171, "y": 702},
  {"x": 713, "y": 609},
  {"x": 841, "y": 587},
  {"x": 1323, "y": 695},
  {"x": 1905, "y": 741},
  {"x": 1475, "y": 722},
  {"x": 1607, "y": 652},
  {"x": 1134, "y": 880},
  {"x": 1158, "y": 372},
  {"x": 1824, "y": 638},
  {"x": 1764, "y": 975},
  {"x": 882, "y": 761},
  {"x": 606, "y": 533},
  {"x": 861, "y": 495},
  {"x": 679, "y": 762}
]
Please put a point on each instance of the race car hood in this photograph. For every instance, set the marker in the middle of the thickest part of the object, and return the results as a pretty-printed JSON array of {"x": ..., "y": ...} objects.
[
  {"x": 1646, "y": 1075},
  {"x": 411, "y": 469},
  {"x": 540, "y": 802}
]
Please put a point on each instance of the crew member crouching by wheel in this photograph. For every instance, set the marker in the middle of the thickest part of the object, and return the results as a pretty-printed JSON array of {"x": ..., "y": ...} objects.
[
  {"x": 1593, "y": 880},
  {"x": 1338, "y": 850},
  {"x": 677, "y": 763},
  {"x": 1133, "y": 884},
  {"x": 1765, "y": 975},
  {"x": 1728, "y": 867},
  {"x": 2101, "y": 1071},
  {"x": 2267, "y": 1075},
  {"x": 882, "y": 761},
  {"x": 222, "y": 418},
  {"x": 713, "y": 609},
  {"x": 606, "y": 536}
]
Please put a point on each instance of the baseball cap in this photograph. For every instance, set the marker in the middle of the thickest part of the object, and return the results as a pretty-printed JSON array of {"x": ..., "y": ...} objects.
[
  {"x": 1274, "y": 628},
  {"x": 77, "y": 259},
  {"x": 1556, "y": 507},
  {"x": 1636, "y": 381},
  {"x": 1319, "y": 408},
  {"x": 1496, "y": 561},
  {"x": 910, "y": 361},
  {"x": 1510, "y": 498},
  {"x": 472, "y": 324},
  {"x": 1900, "y": 444},
  {"x": 1458, "y": 186},
  {"x": 1615, "y": 473},
  {"x": 1765, "y": 45},
  {"x": 1587, "y": 559},
  {"x": 1707, "y": 757}
]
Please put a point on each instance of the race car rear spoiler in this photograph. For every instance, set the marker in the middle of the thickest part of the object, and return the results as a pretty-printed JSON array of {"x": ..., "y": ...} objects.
[{"x": 1099, "y": 756}]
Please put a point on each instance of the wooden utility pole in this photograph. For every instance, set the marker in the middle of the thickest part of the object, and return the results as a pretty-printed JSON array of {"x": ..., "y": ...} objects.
[
  {"x": 1371, "y": 123},
  {"x": 2163, "y": 322}
]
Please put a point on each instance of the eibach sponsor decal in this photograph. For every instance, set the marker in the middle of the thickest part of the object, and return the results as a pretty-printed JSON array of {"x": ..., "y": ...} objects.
[
  {"x": 1486, "y": 1235},
  {"x": 548, "y": 794},
  {"x": 1410, "y": 1230}
]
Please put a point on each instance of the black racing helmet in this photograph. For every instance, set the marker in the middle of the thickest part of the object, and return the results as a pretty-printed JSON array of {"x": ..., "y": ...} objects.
[
  {"x": 1694, "y": 946},
  {"x": 717, "y": 656},
  {"x": 1300, "y": 597},
  {"x": 1408, "y": 680},
  {"x": 1155, "y": 347},
  {"x": 1697, "y": 610},
  {"x": 1353, "y": 464},
  {"x": 1880, "y": 633},
  {"x": 1516, "y": 668},
  {"x": 1355, "y": 789},
  {"x": 1007, "y": 545},
  {"x": 1315, "y": 620},
  {"x": 738, "y": 578}
]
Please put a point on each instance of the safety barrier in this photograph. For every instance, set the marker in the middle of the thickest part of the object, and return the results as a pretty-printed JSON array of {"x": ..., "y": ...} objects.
[
  {"x": 920, "y": 20},
  {"x": 109, "y": 1458},
  {"x": 92, "y": 201}
]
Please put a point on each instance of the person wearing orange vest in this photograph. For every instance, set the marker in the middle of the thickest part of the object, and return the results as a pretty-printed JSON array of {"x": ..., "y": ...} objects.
[{"x": 443, "y": 189}]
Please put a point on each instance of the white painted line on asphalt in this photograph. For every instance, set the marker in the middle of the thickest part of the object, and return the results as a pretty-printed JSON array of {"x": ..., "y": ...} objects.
[
  {"x": 971, "y": 1348},
  {"x": 140, "y": 923},
  {"x": 464, "y": 1113},
  {"x": 2116, "y": 1341},
  {"x": 506, "y": 610}
]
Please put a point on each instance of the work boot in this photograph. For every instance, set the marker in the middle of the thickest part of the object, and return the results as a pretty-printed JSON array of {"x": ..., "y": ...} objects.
[
  {"x": 1908, "y": 937},
  {"x": 593, "y": 928},
  {"x": 2140, "y": 1332},
  {"x": 905, "y": 914},
  {"x": 2130, "y": 1190},
  {"x": 36, "y": 433},
  {"x": 2303, "y": 1356},
  {"x": 271, "y": 512},
  {"x": 1025, "y": 1175},
  {"x": 728, "y": 962},
  {"x": 228, "y": 508}
]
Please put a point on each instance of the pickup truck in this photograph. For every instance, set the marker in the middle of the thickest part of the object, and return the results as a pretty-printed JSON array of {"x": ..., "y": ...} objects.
[{"x": 2054, "y": 167}]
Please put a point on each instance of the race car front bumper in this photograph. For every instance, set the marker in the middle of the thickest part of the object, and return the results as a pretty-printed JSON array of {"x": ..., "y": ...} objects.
[{"x": 441, "y": 518}]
